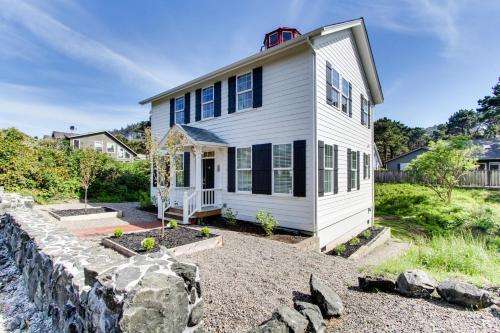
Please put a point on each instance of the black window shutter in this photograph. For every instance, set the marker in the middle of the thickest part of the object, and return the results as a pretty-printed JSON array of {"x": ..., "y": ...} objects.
[
  {"x": 350, "y": 99},
  {"x": 321, "y": 168},
  {"x": 335, "y": 169},
  {"x": 262, "y": 169},
  {"x": 172, "y": 112},
  {"x": 358, "y": 170},
  {"x": 231, "y": 169},
  {"x": 329, "y": 83},
  {"x": 364, "y": 166},
  {"x": 187, "y": 108},
  {"x": 369, "y": 114},
  {"x": 257, "y": 87},
  {"x": 217, "y": 99},
  {"x": 231, "y": 94},
  {"x": 348, "y": 170},
  {"x": 187, "y": 164},
  {"x": 197, "y": 112},
  {"x": 369, "y": 165},
  {"x": 299, "y": 168},
  {"x": 362, "y": 118}
]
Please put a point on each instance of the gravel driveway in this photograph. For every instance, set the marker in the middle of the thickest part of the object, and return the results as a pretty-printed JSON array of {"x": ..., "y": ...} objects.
[{"x": 246, "y": 279}]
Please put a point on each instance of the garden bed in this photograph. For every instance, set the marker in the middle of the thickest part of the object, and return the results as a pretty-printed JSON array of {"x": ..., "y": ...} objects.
[
  {"x": 347, "y": 249},
  {"x": 181, "y": 240},
  {"x": 91, "y": 213}
]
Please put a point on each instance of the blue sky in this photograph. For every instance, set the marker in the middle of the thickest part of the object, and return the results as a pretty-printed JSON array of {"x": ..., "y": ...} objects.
[{"x": 88, "y": 63}]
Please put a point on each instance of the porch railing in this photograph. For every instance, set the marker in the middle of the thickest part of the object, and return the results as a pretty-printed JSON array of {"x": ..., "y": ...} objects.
[
  {"x": 176, "y": 196},
  {"x": 198, "y": 199}
]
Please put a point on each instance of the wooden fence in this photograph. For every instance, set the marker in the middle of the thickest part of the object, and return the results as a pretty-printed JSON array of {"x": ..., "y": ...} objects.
[{"x": 477, "y": 179}]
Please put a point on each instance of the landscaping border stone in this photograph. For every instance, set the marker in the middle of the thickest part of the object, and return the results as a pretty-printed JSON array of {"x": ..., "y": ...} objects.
[
  {"x": 378, "y": 240},
  {"x": 111, "y": 212}
]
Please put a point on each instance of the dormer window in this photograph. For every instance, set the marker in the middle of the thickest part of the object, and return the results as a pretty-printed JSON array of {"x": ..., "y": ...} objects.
[
  {"x": 279, "y": 36},
  {"x": 273, "y": 39},
  {"x": 287, "y": 35}
]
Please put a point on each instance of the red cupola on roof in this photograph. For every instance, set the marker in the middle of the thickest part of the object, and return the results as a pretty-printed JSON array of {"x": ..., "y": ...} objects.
[{"x": 280, "y": 35}]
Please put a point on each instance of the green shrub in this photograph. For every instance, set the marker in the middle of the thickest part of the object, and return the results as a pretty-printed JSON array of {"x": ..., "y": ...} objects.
[
  {"x": 354, "y": 241},
  {"x": 118, "y": 232},
  {"x": 173, "y": 224},
  {"x": 267, "y": 221},
  {"x": 366, "y": 234},
  {"x": 230, "y": 216},
  {"x": 339, "y": 249},
  {"x": 205, "y": 232},
  {"x": 144, "y": 199},
  {"x": 148, "y": 243}
]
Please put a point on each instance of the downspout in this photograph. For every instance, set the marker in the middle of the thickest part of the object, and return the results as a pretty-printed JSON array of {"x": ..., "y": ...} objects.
[{"x": 315, "y": 144}]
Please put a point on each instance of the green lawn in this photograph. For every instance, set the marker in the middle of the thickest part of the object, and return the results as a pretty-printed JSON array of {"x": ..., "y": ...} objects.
[{"x": 461, "y": 239}]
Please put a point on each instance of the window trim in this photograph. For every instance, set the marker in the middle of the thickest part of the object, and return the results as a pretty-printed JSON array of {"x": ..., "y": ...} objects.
[
  {"x": 493, "y": 163},
  {"x": 335, "y": 89},
  {"x": 237, "y": 190},
  {"x": 364, "y": 111},
  {"x": 354, "y": 169},
  {"x": 113, "y": 145},
  {"x": 283, "y": 35},
  {"x": 329, "y": 169},
  {"x": 181, "y": 158},
  {"x": 120, "y": 153},
  {"x": 342, "y": 95},
  {"x": 244, "y": 91},
  {"x": 180, "y": 110},
  {"x": 204, "y": 103},
  {"x": 102, "y": 145},
  {"x": 76, "y": 140},
  {"x": 277, "y": 39},
  {"x": 289, "y": 168}
]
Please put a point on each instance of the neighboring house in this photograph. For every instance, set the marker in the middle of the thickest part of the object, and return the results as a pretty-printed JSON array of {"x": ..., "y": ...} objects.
[
  {"x": 377, "y": 161},
  {"x": 401, "y": 162},
  {"x": 104, "y": 142},
  {"x": 287, "y": 130}
]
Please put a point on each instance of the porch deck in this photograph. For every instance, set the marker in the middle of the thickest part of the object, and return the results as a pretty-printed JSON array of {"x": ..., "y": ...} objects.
[{"x": 207, "y": 211}]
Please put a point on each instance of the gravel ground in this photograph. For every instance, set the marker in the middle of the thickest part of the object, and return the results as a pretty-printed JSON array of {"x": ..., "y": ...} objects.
[{"x": 246, "y": 279}]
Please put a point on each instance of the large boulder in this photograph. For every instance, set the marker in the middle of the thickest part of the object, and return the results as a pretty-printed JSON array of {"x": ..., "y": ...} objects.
[
  {"x": 271, "y": 326},
  {"x": 377, "y": 283},
  {"x": 313, "y": 314},
  {"x": 415, "y": 283},
  {"x": 328, "y": 301},
  {"x": 295, "y": 321},
  {"x": 464, "y": 294}
]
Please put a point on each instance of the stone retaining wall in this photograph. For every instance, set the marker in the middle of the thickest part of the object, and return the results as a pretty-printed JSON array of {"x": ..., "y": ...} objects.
[{"x": 83, "y": 288}]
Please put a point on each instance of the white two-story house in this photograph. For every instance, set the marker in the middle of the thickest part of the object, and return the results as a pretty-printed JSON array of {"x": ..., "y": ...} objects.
[{"x": 287, "y": 130}]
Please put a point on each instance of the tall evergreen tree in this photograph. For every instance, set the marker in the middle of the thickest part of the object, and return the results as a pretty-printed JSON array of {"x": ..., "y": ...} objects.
[
  {"x": 462, "y": 122},
  {"x": 489, "y": 112}
]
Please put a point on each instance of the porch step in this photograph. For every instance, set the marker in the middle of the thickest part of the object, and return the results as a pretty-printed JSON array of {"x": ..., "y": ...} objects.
[
  {"x": 177, "y": 213},
  {"x": 178, "y": 216}
]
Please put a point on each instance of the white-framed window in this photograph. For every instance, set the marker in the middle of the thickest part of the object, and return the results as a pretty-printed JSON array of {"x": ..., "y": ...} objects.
[
  {"x": 335, "y": 87},
  {"x": 273, "y": 39},
  {"x": 345, "y": 95},
  {"x": 287, "y": 35},
  {"x": 328, "y": 179},
  {"x": 127, "y": 154},
  {"x": 207, "y": 103},
  {"x": 121, "y": 152},
  {"x": 282, "y": 169},
  {"x": 179, "y": 170},
  {"x": 110, "y": 147},
  {"x": 494, "y": 166},
  {"x": 76, "y": 143},
  {"x": 481, "y": 166},
  {"x": 98, "y": 145},
  {"x": 244, "y": 169},
  {"x": 354, "y": 170},
  {"x": 366, "y": 166},
  {"x": 179, "y": 110},
  {"x": 244, "y": 99},
  {"x": 364, "y": 111}
]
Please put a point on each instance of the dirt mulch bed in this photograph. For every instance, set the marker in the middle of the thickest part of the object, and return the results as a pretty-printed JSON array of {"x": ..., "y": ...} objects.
[
  {"x": 285, "y": 236},
  {"x": 350, "y": 249},
  {"x": 173, "y": 238},
  {"x": 82, "y": 211}
]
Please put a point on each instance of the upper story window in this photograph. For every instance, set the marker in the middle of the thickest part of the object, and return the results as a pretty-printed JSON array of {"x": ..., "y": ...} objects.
[
  {"x": 273, "y": 39},
  {"x": 207, "y": 102},
  {"x": 335, "y": 87},
  {"x": 179, "y": 110},
  {"x": 345, "y": 95},
  {"x": 76, "y": 144},
  {"x": 364, "y": 111},
  {"x": 98, "y": 145},
  {"x": 244, "y": 169},
  {"x": 328, "y": 180},
  {"x": 110, "y": 147},
  {"x": 244, "y": 91},
  {"x": 282, "y": 169},
  {"x": 354, "y": 170},
  {"x": 287, "y": 35}
]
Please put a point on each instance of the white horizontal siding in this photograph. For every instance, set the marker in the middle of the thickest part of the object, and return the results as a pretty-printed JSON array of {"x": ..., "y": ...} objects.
[
  {"x": 286, "y": 115},
  {"x": 344, "y": 214}
]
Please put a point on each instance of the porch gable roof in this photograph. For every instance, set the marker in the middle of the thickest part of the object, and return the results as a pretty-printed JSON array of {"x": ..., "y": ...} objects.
[{"x": 199, "y": 136}]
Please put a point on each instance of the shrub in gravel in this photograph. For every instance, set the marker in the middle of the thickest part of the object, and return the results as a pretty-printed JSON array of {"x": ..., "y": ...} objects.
[
  {"x": 118, "y": 232},
  {"x": 354, "y": 241},
  {"x": 173, "y": 224},
  {"x": 205, "y": 232},
  {"x": 148, "y": 243},
  {"x": 267, "y": 221},
  {"x": 339, "y": 249},
  {"x": 367, "y": 233},
  {"x": 230, "y": 216}
]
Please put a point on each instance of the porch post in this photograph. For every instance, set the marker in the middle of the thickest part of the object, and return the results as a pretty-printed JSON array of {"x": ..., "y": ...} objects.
[{"x": 198, "y": 152}]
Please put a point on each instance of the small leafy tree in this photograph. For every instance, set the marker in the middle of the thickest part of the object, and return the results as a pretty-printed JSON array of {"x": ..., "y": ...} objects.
[
  {"x": 161, "y": 156},
  {"x": 443, "y": 165},
  {"x": 88, "y": 166},
  {"x": 267, "y": 221}
]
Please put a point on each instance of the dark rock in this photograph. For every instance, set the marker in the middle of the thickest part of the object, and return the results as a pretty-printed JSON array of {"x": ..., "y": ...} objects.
[
  {"x": 464, "y": 294},
  {"x": 293, "y": 319},
  {"x": 415, "y": 283},
  {"x": 187, "y": 271},
  {"x": 90, "y": 276},
  {"x": 313, "y": 315},
  {"x": 271, "y": 326},
  {"x": 377, "y": 283},
  {"x": 328, "y": 301}
]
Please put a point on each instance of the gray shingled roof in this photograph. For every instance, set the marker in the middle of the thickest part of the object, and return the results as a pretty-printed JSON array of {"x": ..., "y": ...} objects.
[
  {"x": 490, "y": 149},
  {"x": 203, "y": 135}
]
